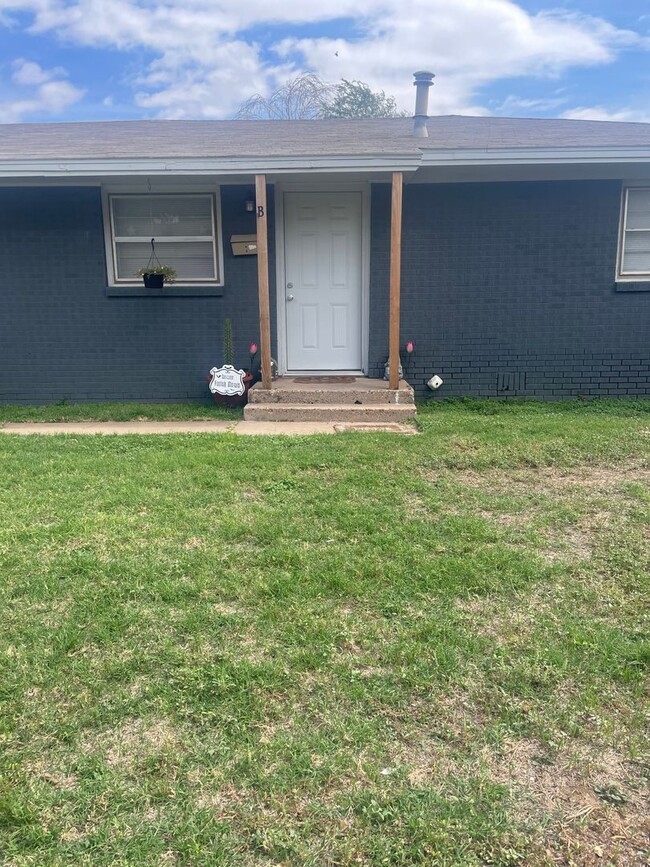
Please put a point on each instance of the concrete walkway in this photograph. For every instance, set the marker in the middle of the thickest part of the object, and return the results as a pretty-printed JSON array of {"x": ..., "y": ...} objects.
[{"x": 242, "y": 428}]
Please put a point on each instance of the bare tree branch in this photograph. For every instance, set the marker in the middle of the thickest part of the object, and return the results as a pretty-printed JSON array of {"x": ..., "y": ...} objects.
[
  {"x": 307, "y": 97},
  {"x": 302, "y": 98}
]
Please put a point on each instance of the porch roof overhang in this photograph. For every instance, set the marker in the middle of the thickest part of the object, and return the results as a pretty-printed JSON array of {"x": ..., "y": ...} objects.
[
  {"x": 431, "y": 165},
  {"x": 212, "y": 166},
  {"x": 534, "y": 156}
]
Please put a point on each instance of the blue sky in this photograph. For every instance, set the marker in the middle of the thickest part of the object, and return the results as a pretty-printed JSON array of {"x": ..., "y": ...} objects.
[{"x": 109, "y": 59}]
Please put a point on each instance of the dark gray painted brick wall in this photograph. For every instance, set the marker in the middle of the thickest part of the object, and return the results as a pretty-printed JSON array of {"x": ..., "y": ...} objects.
[
  {"x": 61, "y": 337},
  {"x": 509, "y": 288}
]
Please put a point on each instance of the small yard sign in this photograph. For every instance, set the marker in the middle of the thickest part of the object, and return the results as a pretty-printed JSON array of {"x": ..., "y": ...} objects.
[{"x": 227, "y": 380}]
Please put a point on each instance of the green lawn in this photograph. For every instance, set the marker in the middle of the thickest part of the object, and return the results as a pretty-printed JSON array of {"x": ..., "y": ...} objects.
[
  {"x": 117, "y": 412},
  {"x": 337, "y": 650}
]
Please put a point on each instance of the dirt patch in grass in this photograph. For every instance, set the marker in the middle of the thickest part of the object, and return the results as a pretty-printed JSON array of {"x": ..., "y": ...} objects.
[
  {"x": 567, "y": 510},
  {"x": 126, "y": 745},
  {"x": 54, "y": 776},
  {"x": 550, "y": 479},
  {"x": 585, "y": 804},
  {"x": 566, "y": 545},
  {"x": 73, "y": 835},
  {"x": 415, "y": 507},
  {"x": 434, "y": 736},
  {"x": 225, "y": 802},
  {"x": 544, "y": 609},
  {"x": 229, "y": 609},
  {"x": 249, "y": 496},
  {"x": 504, "y": 520},
  {"x": 591, "y": 804},
  {"x": 429, "y": 762},
  {"x": 579, "y": 540},
  {"x": 506, "y": 622}
]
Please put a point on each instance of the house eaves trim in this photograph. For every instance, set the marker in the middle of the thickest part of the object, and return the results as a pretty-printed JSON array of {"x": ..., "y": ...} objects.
[
  {"x": 217, "y": 166},
  {"x": 533, "y": 156},
  {"x": 109, "y": 167}
]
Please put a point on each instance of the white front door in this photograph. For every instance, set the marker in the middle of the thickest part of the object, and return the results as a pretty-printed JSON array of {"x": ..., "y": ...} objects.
[{"x": 323, "y": 289}]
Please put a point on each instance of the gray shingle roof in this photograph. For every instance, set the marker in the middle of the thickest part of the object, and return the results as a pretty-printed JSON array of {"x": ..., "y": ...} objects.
[
  {"x": 237, "y": 138},
  {"x": 491, "y": 133}
]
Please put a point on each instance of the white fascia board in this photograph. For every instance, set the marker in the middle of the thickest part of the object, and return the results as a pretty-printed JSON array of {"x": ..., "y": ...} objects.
[
  {"x": 205, "y": 166},
  {"x": 197, "y": 166},
  {"x": 534, "y": 156}
]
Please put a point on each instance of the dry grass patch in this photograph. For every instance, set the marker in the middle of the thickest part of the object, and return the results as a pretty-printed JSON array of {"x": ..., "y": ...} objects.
[
  {"x": 248, "y": 645},
  {"x": 224, "y": 801},
  {"x": 438, "y": 733},
  {"x": 249, "y": 496},
  {"x": 125, "y": 746},
  {"x": 510, "y": 621},
  {"x": 569, "y": 511},
  {"x": 229, "y": 609},
  {"x": 51, "y": 773},
  {"x": 585, "y": 803},
  {"x": 590, "y": 802},
  {"x": 552, "y": 479},
  {"x": 415, "y": 507}
]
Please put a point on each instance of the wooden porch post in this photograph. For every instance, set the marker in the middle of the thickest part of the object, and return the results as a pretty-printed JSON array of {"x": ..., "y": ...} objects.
[
  {"x": 263, "y": 280},
  {"x": 395, "y": 267}
]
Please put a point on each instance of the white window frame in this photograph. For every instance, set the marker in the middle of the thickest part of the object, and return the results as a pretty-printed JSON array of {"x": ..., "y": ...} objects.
[
  {"x": 629, "y": 276},
  {"x": 113, "y": 192}
]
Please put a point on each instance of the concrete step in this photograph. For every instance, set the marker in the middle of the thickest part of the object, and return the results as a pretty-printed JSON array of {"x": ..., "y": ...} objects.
[
  {"x": 362, "y": 392},
  {"x": 336, "y": 412}
]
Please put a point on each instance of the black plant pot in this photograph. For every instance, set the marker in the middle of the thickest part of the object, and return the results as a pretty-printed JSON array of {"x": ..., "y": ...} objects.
[
  {"x": 153, "y": 281},
  {"x": 233, "y": 400}
]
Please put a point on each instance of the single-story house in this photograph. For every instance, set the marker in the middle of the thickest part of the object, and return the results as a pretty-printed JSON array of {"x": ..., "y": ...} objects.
[{"x": 513, "y": 253}]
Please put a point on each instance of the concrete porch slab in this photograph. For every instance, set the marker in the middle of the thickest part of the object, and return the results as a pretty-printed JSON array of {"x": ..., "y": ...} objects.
[
  {"x": 375, "y": 427},
  {"x": 283, "y": 428},
  {"x": 356, "y": 390},
  {"x": 332, "y": 400}
]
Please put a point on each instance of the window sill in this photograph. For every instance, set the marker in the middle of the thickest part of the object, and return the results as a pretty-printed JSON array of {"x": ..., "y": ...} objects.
[
  {"x": 632, "y": 286},
  {"x": 172, "y": 291}
]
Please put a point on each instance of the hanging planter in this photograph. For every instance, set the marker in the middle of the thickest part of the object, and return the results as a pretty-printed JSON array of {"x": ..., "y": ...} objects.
[{"x": 154, "y": 275}]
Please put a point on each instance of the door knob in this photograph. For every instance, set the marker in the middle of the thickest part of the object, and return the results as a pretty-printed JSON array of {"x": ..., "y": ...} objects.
[
  {"x": 289, "y": 285},
  {"x": 289, "y": 297}
]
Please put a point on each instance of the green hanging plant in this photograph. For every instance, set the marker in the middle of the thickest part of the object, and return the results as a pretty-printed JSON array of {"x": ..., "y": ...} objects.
[
  {"x": 168, "y": 273},
  {"x": 154, "y": 273}
]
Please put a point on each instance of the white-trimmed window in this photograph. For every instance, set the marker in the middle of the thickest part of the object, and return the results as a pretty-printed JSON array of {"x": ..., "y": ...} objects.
[
  {"x": 184, "y": 227},
  {"x": 634, "y": 255}
]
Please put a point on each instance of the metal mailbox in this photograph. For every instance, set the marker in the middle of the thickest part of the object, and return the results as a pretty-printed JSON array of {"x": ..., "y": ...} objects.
[{"x": 244, "y": 245}]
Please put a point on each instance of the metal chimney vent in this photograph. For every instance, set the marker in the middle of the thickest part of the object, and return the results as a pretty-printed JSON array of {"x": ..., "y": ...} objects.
[{"x": 422, "y": 83}]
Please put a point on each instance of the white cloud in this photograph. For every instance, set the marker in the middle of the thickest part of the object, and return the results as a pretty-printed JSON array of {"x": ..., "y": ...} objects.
[
  {"x": 37, "y": 91},
  {"x": 599, "y": 112},
  {"x": 469, "y": 44},
  {"x": 184, "y": 89},
  {"x": 517, "y": 105},
  {"x": 204, "y": 67},
  {"x": 28, "y": 73}
]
